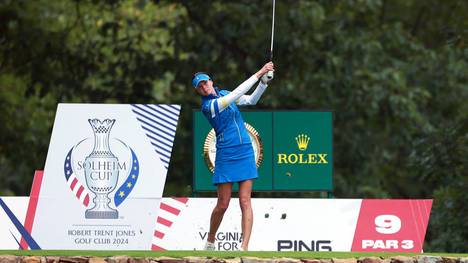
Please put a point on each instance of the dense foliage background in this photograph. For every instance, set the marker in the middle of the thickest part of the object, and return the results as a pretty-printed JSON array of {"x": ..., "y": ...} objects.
[{"x": 394, "y": 72}]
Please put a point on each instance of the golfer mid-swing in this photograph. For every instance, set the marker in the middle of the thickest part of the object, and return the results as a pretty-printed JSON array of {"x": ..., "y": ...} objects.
[{"x": 235, "y": 160}]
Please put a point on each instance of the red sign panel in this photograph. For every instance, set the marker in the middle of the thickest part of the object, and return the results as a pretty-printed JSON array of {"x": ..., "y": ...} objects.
[{"x": 391, "y": 225}]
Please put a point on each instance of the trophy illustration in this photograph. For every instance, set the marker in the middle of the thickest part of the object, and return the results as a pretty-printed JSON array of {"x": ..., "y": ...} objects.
[{"x": 101, "y": 171}]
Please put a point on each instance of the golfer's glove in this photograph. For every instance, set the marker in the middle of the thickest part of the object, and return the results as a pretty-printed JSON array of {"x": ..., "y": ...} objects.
[{"x": 265, "y": 79}]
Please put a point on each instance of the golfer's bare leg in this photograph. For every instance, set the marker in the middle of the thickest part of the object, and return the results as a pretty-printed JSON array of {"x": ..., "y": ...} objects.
[
  {"x": 224, "y": 196},
  {"x": 245, "y": 191}
]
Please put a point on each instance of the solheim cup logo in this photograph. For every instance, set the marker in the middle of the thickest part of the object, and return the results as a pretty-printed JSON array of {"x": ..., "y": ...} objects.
[
  {"x": 101, "y": 162},
  {"x": 101, "y": 170}
]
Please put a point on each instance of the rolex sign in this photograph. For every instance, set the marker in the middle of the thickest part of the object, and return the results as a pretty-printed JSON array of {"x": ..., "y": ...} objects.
[{"x": 293, "y": 150}]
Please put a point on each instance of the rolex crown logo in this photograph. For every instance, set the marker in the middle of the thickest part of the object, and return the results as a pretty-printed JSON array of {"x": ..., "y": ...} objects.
[{"x": 302, "y": 141}]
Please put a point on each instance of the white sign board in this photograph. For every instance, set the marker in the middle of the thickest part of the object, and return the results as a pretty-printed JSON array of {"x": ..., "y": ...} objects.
[
  {"x": 279, "y": 225},
  {"x": 104, "y": 175},
  {"x": 372, "y": 225}
]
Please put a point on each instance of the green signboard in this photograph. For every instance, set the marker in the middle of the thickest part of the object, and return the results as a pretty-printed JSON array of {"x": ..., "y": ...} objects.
[{"x": 293, "y": 149}]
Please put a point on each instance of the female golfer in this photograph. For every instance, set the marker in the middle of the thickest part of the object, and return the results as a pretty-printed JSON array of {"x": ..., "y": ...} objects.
[{"x": 235, "y": 161}]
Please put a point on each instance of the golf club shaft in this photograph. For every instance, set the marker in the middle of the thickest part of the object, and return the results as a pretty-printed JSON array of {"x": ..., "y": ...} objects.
[
  {"x": 272, "y": 31},
  {"x": 270, "y": 73}
]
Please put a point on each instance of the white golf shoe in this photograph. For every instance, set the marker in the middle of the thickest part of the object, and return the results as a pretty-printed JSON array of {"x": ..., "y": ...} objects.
[{"x": 210, "y": 246}]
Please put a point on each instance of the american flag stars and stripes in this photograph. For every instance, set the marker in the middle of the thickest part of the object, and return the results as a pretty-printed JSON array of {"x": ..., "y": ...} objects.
[{"x": 76, "y": 187}]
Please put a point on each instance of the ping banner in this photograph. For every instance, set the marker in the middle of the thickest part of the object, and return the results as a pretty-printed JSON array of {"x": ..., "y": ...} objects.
[
  {"x": 104, "y": 176},
  {"x": 298, "y": 225},
  {"x": 370, "y": 225}
]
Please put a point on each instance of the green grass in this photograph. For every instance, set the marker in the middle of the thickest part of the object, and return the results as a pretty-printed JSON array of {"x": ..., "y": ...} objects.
[{"x": 215, "y": 254}]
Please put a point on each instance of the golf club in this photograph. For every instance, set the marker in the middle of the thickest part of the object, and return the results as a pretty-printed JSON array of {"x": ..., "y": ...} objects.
[{"x": 270, "y": 73}]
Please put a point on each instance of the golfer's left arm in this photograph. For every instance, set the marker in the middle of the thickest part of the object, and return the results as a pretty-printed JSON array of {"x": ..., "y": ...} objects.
[
  {"x": 218, "y": 105},
  {"x": 262, "y": 85},
  {"x": 254, "y": 97},
  {"x": 237, "y": 94}
]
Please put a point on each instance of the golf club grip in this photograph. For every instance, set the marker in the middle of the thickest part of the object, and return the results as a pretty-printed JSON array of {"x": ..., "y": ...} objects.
[{"x": 270, "y": 74}]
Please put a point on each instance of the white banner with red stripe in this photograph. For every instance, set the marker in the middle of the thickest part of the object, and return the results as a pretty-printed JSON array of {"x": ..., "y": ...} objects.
[
  {"x": 279, "y": 225},
  {"x": 298, "y": 225}
]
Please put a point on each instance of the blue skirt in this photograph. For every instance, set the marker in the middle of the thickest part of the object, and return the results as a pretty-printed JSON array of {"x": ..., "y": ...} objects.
[{"x": 235, "y": 164}]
